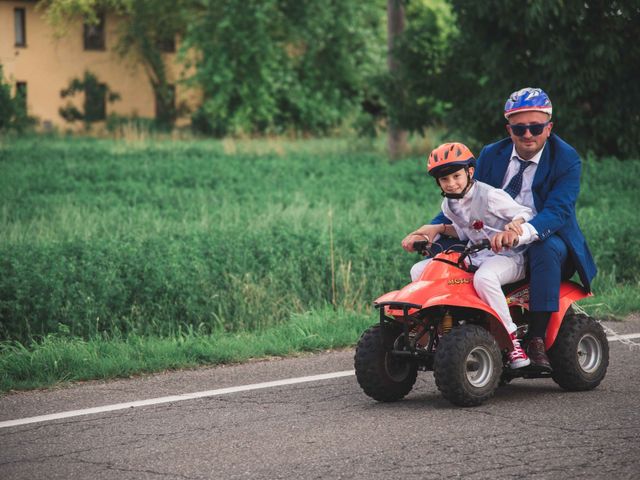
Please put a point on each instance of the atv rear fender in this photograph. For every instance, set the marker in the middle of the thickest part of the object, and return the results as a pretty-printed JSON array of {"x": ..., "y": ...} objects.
[{"x": 570, "y": 292}]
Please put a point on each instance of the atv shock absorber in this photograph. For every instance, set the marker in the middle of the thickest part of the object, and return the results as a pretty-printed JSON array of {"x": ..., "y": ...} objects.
[{"x": 447, "y": 322}]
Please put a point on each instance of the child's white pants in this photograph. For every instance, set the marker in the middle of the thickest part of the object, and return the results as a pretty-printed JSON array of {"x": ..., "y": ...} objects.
[{"x": 494, "y": 271}]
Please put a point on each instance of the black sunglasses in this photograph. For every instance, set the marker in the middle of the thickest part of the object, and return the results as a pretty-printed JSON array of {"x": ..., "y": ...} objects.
[{"x": 535, "y": 129}]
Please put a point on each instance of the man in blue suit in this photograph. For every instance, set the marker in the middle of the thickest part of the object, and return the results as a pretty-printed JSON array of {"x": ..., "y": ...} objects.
[{"x": 541, "y": 171}]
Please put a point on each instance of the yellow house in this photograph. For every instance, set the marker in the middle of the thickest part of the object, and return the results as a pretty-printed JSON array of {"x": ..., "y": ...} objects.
[{"x": 40, "y": 65}]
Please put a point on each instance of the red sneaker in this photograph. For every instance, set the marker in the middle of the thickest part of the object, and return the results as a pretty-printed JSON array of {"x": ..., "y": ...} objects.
[{"x": 517, "y": 357}]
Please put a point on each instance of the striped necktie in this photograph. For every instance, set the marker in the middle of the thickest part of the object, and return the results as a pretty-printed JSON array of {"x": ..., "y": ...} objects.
[{"x": 515, "y": 184}]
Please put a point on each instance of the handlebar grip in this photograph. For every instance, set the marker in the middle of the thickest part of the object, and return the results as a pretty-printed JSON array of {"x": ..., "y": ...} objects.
[
  {"x": 481, "y": 245},
  {"x": 420, "y": 245}
]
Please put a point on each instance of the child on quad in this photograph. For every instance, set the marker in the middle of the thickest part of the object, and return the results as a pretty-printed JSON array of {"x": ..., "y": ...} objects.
[{"x": 478, "y": 211}]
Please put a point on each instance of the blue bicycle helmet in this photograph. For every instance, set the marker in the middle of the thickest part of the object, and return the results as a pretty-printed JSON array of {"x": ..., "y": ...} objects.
[{"x": 527, "y": 100}]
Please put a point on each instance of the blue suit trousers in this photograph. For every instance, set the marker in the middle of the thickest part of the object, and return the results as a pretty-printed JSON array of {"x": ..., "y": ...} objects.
[{"x": 548, "y": 265}]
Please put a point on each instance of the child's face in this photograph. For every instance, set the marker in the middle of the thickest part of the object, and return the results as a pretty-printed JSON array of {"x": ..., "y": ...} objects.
[{"x": 455, "y": 182}]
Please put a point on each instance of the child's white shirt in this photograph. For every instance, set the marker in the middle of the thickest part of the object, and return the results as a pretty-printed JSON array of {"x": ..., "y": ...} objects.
[{"x": 499, "y": 204}]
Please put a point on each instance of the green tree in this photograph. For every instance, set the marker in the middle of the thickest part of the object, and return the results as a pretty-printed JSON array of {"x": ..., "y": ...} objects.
[
  {"x": 273, "y": 65},
  {"x": 584, "y": 54},
  {"x": 150, "y": 26},
  {"x": 411, "y": 92}
]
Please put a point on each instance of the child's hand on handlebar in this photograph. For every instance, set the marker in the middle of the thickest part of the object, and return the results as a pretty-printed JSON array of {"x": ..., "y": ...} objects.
[
  {"x": 408, "y": 241},
  {"x": 424, "y": 233},
  {"x": 504, "y": 240}
]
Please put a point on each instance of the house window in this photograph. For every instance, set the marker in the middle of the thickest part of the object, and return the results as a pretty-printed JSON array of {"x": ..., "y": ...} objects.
[
  {"x": 19, "y": 18},
  {"x": 95, "y": 102},
  {"x": 167, "y": 45},
  {"x": 94, "y": 34},
  {"x": 21, "y": 94}
]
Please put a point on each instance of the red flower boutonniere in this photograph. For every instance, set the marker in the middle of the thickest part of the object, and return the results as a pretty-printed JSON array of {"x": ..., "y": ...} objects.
[{"x": 477, "y": 225}]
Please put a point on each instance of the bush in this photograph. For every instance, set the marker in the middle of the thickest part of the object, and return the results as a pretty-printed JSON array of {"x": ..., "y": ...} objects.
[
  {"x": 13, "y": 109},
  {"x": 96, "y": 97}
]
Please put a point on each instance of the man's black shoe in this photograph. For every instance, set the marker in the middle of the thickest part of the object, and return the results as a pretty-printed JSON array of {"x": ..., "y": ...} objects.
[{"x": 538, "y": 354}]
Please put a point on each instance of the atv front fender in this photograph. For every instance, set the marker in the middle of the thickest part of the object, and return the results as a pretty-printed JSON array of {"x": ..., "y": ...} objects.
[
  {"x": 387, "y": 297},
  {"x": 496, "y": 327},
  {"x": 458, "y": 292}
]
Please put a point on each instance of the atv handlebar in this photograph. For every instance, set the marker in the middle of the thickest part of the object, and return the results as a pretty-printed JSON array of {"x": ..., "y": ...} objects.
[
  {"x": 424, "y": 248},
  {"x": 471, "y": 249},
  {"x": 476, "y": 247}
]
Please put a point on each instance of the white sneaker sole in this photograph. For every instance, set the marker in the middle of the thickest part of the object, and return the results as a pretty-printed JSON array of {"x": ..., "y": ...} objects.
[{"x": 520, "y": 363}]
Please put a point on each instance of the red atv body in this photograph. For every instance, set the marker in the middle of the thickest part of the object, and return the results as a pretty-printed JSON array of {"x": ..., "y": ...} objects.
[{"x": 439, "y": 323}]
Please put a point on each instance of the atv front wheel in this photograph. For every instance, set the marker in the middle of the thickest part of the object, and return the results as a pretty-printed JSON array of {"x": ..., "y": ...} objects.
[
  {"x": 383, "y": 376},
  {"x": 468, "y": 365},
  {"x": 580, "y": 354}
]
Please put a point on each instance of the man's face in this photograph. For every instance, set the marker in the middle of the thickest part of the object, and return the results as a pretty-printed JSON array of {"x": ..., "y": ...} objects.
[{"x": 528, "y": 144}]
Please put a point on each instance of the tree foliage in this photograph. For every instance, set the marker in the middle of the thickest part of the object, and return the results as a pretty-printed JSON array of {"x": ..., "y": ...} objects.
[
  {"x": 307, "y": 65},
  {"x": 144, "y": 26},
  {"x": 61, "y": 13},
  {"x": 421, "y": 52},
  {"x": 150, "y": 24},
  {"x": 582, "y": 53},
  {"x": 273, "y": 65}
]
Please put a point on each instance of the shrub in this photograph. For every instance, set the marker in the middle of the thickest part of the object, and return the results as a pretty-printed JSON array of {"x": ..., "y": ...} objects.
[{"x": 13, "y": 109}]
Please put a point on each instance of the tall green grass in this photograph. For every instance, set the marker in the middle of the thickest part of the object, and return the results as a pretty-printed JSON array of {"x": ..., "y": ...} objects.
[
  {"x": 138, "y": 240},
  {"x": 61, "y": 357},
  {"x": 100, "y": 237}
]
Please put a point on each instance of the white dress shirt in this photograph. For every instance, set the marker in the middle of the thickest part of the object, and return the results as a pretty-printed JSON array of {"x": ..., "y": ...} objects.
[{"x": 525, "y": 197}]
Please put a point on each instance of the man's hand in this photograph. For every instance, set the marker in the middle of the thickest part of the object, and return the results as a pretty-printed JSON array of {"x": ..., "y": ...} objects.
[
  {"x": 504, "y": 240},
  {"x": 515, "y": 226}
]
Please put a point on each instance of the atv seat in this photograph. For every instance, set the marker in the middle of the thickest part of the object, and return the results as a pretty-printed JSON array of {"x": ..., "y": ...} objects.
[{"x": 510, "y": 287}]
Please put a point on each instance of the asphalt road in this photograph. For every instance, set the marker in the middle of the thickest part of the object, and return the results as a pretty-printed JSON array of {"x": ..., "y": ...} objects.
[{"x": 327, "y": 429}]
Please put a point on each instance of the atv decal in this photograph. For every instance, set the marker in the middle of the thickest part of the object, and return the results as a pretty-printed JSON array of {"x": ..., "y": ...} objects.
[{"x": 519, "y": 297}]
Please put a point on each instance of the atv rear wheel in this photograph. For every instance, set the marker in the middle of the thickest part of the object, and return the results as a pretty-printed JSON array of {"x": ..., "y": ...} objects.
[
  {"x": 382, "y": 375},
  {"x": 580, "y": 354},
  {"x": 468, "y": 365}
]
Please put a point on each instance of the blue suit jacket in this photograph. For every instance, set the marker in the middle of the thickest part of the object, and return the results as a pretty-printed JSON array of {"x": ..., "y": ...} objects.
[{"x": 555, "y": 188}]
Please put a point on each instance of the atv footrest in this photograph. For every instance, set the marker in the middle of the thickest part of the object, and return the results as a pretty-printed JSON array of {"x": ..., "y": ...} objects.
[
  {"x": 530, "y": 371},
  {"x": 411, "y": 353}
]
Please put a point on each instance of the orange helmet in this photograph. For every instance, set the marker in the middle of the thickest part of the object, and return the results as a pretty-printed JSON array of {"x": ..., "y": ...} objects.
[{"x": 448, "y": 158}]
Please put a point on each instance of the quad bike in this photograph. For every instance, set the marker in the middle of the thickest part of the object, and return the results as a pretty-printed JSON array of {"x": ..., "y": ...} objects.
[{"x": 438, "y": 323}]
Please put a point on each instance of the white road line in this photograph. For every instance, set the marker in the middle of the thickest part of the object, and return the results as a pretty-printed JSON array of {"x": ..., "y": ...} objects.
[
  {"x": 627, "y": 336},
  {"x": 175, "y": 398},
  {"x": 207, "y": 393}
]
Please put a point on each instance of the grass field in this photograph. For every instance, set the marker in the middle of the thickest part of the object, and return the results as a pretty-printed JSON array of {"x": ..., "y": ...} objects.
[{"x": 120, "y": 257}]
